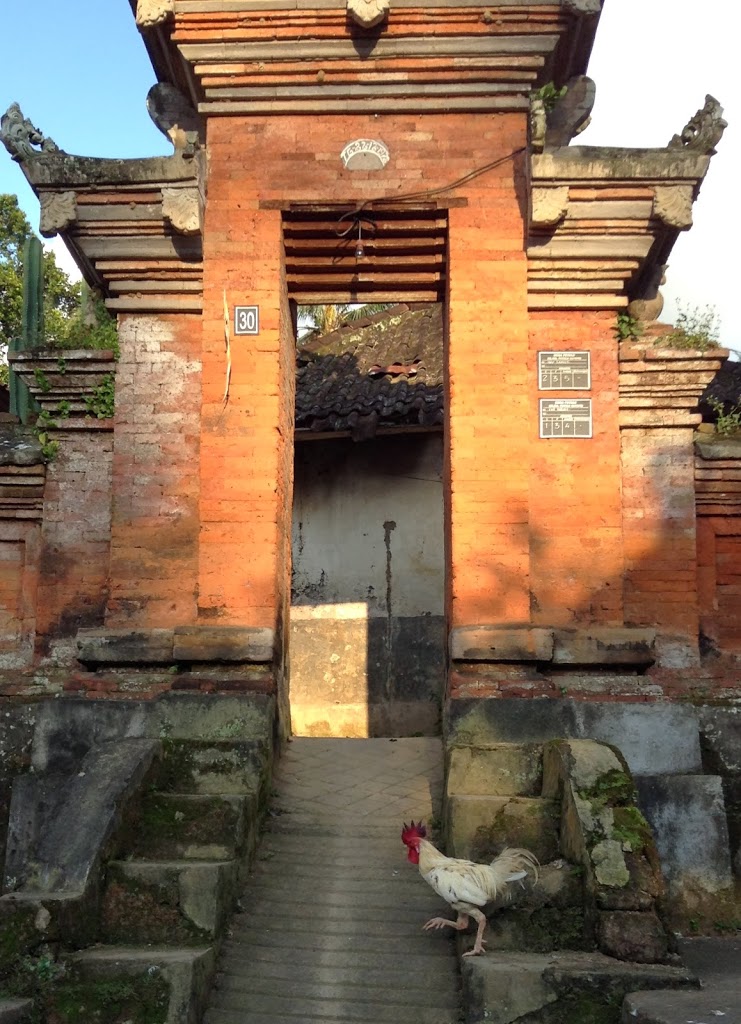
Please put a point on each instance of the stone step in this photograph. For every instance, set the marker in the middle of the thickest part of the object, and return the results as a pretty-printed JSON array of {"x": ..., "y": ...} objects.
[
  {"x": 557, "y": 986},
  {"x": 358, "y": 943},
  {"x": 718, "y": 1002},
  {"x": 214, "y": 767},
  {"x": 183, "y": 826},
  {"x": 188, "y": 974},
  {"x": 284, "y": 1016},
  {"x": 479, "y": 827},
  {"x": 495, "y": 769},
  {"x": 270, "y": 976},
  {"x": 344, "y": 1007},
  {"x": 391, "y": 926},
  {"x": 183, "y": 902},
  {"x": 347, "y": 901},
  {"x": 15, "y": 1011},
  {"x": 234, "y": 957}
]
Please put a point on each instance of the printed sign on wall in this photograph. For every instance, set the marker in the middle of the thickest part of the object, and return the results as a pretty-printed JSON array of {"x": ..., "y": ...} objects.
[
  {"x": 564, "y": 371},
  {"x": 246, "y": 319},
  {"x": 565, "y": 417}
]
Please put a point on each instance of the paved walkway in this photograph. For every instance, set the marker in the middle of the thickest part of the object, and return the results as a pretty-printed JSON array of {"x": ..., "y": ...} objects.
[{"x": 332, "y": 924}]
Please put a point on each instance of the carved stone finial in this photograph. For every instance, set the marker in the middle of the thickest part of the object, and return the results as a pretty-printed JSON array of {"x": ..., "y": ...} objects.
[
  {"x": 538, "y": 124},
  {"x": 19, "y": 136},
  {"x": 673, "y": 205},
  {"x": 571, "y": 112},
  {"x": 648, "y": 308},
  {"x": 549, "y": 205},
  {"x": 174, "y": 116},
  {"x": 368, "y": 13},
  {"x": 583, "y": 6},
  {"x": 703, "y": 132},
  {"x": 182, "y": 208},
  {"x": 153, "y": 12},
  {"x": 58, "y": 211}
]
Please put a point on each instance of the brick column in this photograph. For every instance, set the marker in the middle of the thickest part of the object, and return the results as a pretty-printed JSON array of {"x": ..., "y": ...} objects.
[
  {"x": 659, "y": 390},
  {"x": 488, "y": 407},
  {"x": 247, "y": 418}
]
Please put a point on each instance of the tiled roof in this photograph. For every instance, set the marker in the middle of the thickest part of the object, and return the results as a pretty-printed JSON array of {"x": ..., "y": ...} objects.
[
  {"x": 386, "y": 371},
  {"x": 725, "y": 387}
]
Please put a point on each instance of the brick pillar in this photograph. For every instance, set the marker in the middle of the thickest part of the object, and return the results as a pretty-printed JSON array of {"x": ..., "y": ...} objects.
[
  {"x": 659, "y": 390},
  {"x": 488, "y": 408},
  {"x": 154, "y": 529},
  {"x": 247, "y": 417}
]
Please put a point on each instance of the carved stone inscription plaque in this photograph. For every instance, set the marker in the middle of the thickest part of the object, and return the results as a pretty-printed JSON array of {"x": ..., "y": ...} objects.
[
  {"x": 565, "y": 417},
  {"x": 564, "y": 371}
]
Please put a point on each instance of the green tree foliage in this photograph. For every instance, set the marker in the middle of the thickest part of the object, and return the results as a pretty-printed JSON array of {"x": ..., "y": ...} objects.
[
  {"x": 61, "y": 296},
  {"x": 321, "y": 320}
]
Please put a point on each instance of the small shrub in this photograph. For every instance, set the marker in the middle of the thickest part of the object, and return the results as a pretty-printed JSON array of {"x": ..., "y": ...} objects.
[
  {"x": 696, "y": 328},
  {"x": 726, "y": 422},
  {"x": 101, "y": 402},
  {"x": 627, "y": 328},
  {"x": 549, "y": 95}
]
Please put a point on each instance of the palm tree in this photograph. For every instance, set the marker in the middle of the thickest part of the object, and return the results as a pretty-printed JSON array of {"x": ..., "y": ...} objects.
[{"x": 321, "y": 320}]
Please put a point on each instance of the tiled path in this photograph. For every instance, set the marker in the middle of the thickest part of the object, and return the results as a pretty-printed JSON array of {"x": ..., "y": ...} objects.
[{"x": 332, "y": 924}]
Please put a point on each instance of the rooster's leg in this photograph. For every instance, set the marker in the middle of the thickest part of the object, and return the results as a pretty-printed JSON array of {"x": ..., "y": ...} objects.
[
  {"x": 460, "y": 924},
  {"x": 478, "y": 946}
]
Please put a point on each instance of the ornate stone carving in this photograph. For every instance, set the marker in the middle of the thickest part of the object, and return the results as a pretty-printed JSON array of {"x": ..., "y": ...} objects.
[
  {"x": 58, "y": 211},
  {"x": 182, "y": 208},
  {"x": 153, "y": 12},
  {"x": 703, "y": 132},
  {"x": 673, "y": 205},
  {"x": 174, "y": 116},
  {"x": 583, "y": 6},
  {"x": 20, "y": 137},
  {"x": 368, "y": 12},
  {"x": 549, "y": 205},
  {"x": 571, "y": 113},
  {"x": 538, "y": 124}
]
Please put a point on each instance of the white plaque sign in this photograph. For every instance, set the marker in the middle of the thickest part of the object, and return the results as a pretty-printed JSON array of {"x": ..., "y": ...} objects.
[
  {"x": 364, "y": 154},
  {"x": 565, "y": 417},
  {"x": 246, "y": 319},
  {"x": 564, "y": 371}
]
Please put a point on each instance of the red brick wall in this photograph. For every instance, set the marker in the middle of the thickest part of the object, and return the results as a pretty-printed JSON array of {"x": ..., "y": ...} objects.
[
  {"x": 19, "y": 564},
  {"x": 154, "y": 530},
  {"x": 246, "y": 446},
  {"x": 719, "y": 580},
  {"x": 75, "y": 536},
  {"x": 576, "y": 553}
]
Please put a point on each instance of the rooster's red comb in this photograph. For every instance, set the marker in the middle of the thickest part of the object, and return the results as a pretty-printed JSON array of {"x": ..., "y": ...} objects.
[{"x": 413, "y": 831}]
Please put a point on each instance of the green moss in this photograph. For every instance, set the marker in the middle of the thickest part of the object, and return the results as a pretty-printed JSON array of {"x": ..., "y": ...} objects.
[
  {"x": 631, "y": 828},
  {"x": 18, "y": 935},
  {"x": 142, "y": 1000},
  {"x": 610, "y": 790}
]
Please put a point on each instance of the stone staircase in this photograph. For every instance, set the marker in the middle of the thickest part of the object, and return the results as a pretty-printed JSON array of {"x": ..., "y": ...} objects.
[{"x": 331, "y": 929}]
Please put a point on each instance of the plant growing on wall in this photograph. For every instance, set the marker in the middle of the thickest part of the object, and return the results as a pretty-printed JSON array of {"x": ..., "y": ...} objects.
[{"x": 697, "y": 327}]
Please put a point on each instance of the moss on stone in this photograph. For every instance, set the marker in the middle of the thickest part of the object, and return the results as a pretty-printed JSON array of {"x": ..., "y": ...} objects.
[
  {"x": 610, "y": 790},
  {"x": 142, "y": 1000},
  {"x": 18, "y": 935},
  {"x": 136, "y": 913},
  {"x": 631, "y": 828}
]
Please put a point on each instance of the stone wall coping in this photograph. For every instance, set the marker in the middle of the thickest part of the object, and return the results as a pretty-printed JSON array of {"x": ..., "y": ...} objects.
[
  {"x": 126, "y": 646},
  {"x": 62, "y": 170},
  {"x": 594, "y": 645},
  {"x": 594, "y": 163},
  {"x": 718, "y": 448},
  {"x": 653, "y": 353}
]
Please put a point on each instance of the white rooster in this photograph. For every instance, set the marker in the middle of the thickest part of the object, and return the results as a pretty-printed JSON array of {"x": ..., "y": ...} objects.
[{"x": 465, "y": 885}]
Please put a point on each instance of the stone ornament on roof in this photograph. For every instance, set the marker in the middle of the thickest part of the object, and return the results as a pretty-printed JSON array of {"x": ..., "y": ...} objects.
[
  {"x": 548, "y": 205},
  {"x": 21, "y": 138},
  {"x": 182, "y": 208},
  {"x": 58, "y": 211},
  {"x": 538, "y": 124},
  {"x": 368, "y": 13},
  {"x": 703, "y": 132},
  {"x": 673, "y": 205},
  {"x": 153, "y": 12}
]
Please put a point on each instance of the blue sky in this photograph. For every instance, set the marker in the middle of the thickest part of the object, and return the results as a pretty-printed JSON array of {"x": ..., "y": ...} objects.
[{"x": 81, "y": 73}]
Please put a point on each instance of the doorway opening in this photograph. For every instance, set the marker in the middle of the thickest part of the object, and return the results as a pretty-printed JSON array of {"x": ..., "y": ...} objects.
[{"x": 367, "y": 628}]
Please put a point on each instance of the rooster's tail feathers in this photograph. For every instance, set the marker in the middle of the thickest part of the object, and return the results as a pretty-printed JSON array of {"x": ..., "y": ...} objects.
[{"x": 512, "y": 865}]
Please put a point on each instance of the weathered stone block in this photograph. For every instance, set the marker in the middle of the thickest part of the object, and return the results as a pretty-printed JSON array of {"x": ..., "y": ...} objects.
[
  {"x": 653, "y": 738},
  {"x": 125, "y": 646},
  {"x": 687, "y": 814},
  {"x": 223, "y": 643},
  {"x": 541, "y": 987},
  {"x": 14, "y": 1011},
  {"x": 501, "y": 769},
  {"x": 605, "y": 646},
  {"x": 628, "y": 935},
  {"x": 479, "y": 827},
  {"x": 496, "y": 643},
  {"x": 720, "y": 738}
]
